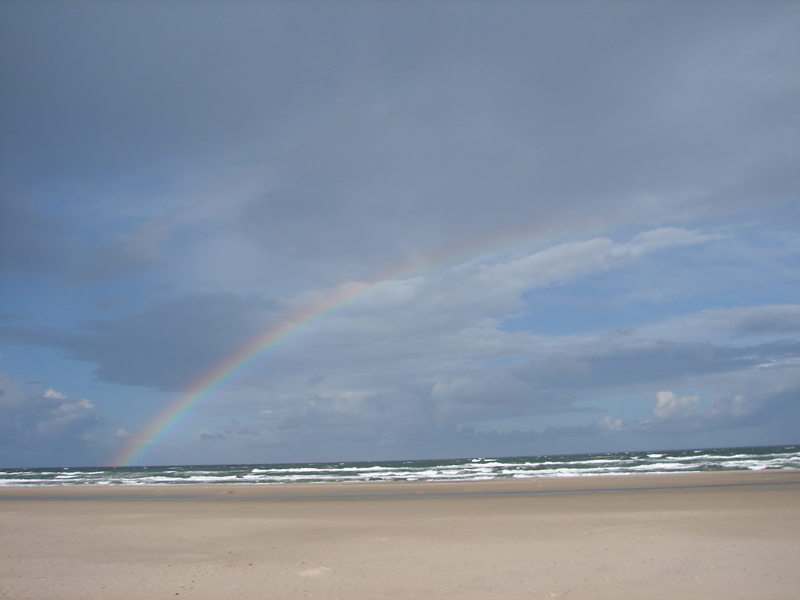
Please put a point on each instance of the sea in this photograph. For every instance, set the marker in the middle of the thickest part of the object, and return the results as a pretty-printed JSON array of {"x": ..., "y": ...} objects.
[{"x": 467, "y": 469}]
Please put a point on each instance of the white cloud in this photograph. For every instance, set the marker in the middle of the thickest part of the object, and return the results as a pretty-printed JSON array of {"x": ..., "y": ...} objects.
[
  {"x": 61, "y": 418},
  {"x": 668, "y": 405},
  {"x": 612, "y": 424},
  {"x": 36, "y": 428},
  {"x": 666, "y": 237},
  {"x": 569, "y": 261}
]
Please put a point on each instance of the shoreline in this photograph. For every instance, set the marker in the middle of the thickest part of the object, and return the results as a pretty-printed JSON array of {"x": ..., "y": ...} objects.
[
  {"x": 709, "y": 535},
  {"x": 411, "y": 489}
]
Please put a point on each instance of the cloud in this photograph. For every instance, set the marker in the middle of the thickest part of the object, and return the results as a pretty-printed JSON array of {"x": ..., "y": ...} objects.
[
  {"x": 377, "y": 150},
  {"x": 166, "y": 202},
  {"x": 412, "y": 402},
  {"x": 482, "y": 394},
  {"x": 428, "y": 352},
  {"x": 207, "y": 436},
  {"x": 50, "y": 414},
  {"x": 767, "y": 322},
  {"x": 35, "y": 242},
  {"x": 612, "y": 424},
  {"x": 642, "y": 361},
  {"x": 40, "y": 428},
  {"x": 172, "y": 343},
  {"x": 768, "y": 403},
  {"x": 168, "y": 345},
  {"x": 732, "y": 407},
  {"x": 123, "y": 255},
  {"x": 668, "y": 405},
  {"x": 569, "y": 261}
]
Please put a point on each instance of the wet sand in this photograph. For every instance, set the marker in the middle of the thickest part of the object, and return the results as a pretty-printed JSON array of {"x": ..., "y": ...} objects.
[{"x": 709, "y": 535}]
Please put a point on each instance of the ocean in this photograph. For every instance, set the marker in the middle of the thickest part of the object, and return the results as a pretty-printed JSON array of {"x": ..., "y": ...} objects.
[{"x": 470, "y": 469}]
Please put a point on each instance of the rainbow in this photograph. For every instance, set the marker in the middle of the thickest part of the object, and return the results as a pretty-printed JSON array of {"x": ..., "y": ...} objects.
[
  {"x": 227, "y": 369},
  {"x": 313, "y": 311}
]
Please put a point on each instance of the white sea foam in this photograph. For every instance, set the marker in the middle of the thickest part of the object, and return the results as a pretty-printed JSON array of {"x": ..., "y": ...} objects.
[{"x": 781, "y": 457}]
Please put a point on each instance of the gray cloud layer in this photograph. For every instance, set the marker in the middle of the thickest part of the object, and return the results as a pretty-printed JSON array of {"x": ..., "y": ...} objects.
[
  {"x": 197, "y": 171},
  {"x": 373, "y": 133}
]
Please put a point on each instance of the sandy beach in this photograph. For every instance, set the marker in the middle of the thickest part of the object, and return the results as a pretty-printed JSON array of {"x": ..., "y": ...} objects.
[{"x": 710, "y": 535}]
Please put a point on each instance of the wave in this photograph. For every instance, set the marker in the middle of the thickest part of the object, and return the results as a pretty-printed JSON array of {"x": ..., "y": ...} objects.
[{"x": 469, "y": 469}]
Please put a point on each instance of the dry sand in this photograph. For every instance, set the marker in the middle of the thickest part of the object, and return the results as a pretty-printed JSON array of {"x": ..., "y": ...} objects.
[{"x": 713, "y": 535}]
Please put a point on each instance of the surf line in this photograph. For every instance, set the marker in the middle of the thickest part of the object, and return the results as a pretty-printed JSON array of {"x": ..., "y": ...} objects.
[{"x": 224, "y": 371}]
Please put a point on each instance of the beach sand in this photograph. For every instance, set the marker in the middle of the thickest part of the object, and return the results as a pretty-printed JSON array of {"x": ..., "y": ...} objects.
[{"x": 704, "y": 535}]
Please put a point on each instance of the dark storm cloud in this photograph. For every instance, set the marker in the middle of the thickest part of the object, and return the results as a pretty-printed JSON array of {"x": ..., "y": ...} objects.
[
  {"x": 167, "y": 346},
  {"x": 549, "y": 136},
  {"x": 171, "y": 344},
  {"x": 93, "y": 87},
  {"x": 34, "y": 242},
  {"x": 31, "y": 241},
  {"x": 396, "y": 129}
]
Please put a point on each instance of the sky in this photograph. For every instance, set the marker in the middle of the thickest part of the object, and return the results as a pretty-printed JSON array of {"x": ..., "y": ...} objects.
[{"x": 535, "y": 227}]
